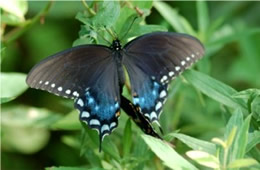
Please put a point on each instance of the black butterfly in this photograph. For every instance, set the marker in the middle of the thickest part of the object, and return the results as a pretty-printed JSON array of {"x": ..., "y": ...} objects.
[{"x": 94, "y": 76}]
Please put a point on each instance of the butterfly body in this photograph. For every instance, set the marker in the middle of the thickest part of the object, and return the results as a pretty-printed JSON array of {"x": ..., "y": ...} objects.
[{"x": 94, "y": 76}]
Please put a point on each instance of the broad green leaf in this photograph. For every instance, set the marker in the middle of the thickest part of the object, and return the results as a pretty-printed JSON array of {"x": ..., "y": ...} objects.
[
  {"x": 69, "y": 122},
  {"x": 27, "y": 124},
  {"x": 170, "y": 157},
  {"x": 253, "y": 140},
  {"x": 15, "y": 7},
  {"x": 178, "y": 22},
  {"x": 127, "y": 138},
  {"x": 214, "y": 89},
  {"x": 203, "y": 18},
  {"x": 12, "y": 85},
  {"x": 242, "y": 163},
  {"x": 107, "y": 14},
  {"x": 204, "y": 158},
  {"x": 196, "y": 144},
  {"x": 23, "y": 139}
]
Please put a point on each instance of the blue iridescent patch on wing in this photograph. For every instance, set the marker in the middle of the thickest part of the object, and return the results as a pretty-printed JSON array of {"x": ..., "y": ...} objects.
[
  {"x": 99, "y": 111},
  {"x": 150, "y": 98}
]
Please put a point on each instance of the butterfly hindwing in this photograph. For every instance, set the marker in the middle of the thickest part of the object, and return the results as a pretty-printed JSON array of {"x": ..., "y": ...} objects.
[
  {"x": 154, "y": 59},
  {"x": 88, "y": 74}
]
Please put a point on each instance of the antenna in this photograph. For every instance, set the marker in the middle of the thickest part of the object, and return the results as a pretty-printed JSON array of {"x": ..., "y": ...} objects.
[
  {"x": 129, "y": 27},
  {"x": 110, "y": 32}
]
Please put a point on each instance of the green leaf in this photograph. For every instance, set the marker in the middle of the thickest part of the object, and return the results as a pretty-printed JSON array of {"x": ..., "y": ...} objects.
[
  {"x": 203, "y": 18},
  {"x": 170, "y": 157},
  {"x": 26, "y": 116},
  {"x": 69, "y": 122},
  {"x": 13, "y": 84},
  {"x": 27, "y": 124},
  {"x": 178, "y": 22},
  {"x": 242, "y": 163},
  {"x": 127, "y": 138},
  {"x": 196, "y": 144},
  {"x": 241, "y": 140},
  {"x": 253, "y": 140},
  {"x": 110, "y": 10},
  {"x": 204, "y": 158},
  {"x": 15, "y": 7},
  {"x": 214, "y": 89}
]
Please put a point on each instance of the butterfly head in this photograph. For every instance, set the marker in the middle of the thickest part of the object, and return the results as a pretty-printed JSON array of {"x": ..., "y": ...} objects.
[{"x": 116, "y": 45}]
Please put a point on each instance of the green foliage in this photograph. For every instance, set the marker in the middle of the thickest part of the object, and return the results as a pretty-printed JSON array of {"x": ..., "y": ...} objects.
[
  {"x": 212, "y": 116},
  {"x": 13, "y": 86}
]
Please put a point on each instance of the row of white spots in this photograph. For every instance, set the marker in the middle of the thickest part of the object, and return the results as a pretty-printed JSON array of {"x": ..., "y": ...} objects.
[{"x": 68, "y": 91}]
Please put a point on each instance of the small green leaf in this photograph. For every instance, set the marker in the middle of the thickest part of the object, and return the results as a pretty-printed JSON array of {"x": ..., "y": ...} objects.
[
  {"x": 231, "y": 136},
  {"x": 204, "y": 158},
  {"x": 242, "y": 163},
  {"x": 196, "y": 144},
  {"x": 127, "y": 138},
  {"x": 168, "y": 155},
  {"x": 13, "y": 84},
  {"x": 69, "y": 122},
  {"x": 214, "y": 89}
]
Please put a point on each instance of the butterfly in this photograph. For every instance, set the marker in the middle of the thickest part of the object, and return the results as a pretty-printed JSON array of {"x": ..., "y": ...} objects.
[{"x": 93, "y": 75}]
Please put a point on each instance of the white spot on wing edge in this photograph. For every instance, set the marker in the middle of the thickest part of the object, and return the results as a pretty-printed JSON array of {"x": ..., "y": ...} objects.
[
  {"x": 46, "y": 83},
  {"x": 85, "y": 114},
  {"x": 171, "y": 73},
  {"x": 177, "y": 68},
  {"x": 188, "y": 58},
  {"x": 112, "y": 125},
  {"x": 104, "y": 128},
  {"x": 80, "y": 102},
  {"x": 158, "y": 106},
  {"x": 183, "y": 63},
  {"x": 68, "y": 91},
  {"x": 75, "y": 93},
  {"x": 59, "y": 88},
  {"x": 153, "y": 115},
  {"x": 40, "y": 82},
  {"x": 52, "y": 85},
  {"x": 162, "y": 94},
  {"x": 192, "y": 55},
  {"x": 94, "y": 122}
]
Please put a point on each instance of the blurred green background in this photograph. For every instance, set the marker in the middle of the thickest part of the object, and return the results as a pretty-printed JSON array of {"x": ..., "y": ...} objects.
[{"x": 40, "y": 130}]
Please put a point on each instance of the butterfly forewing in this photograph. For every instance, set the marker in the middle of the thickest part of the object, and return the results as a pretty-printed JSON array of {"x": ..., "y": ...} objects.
[
  {"x": 154, "y": 59},
  {"x": 88, "y": 74}
]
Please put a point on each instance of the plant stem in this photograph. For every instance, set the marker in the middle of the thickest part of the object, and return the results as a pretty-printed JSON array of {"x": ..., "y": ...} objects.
[{"x": 90, "y": 10}]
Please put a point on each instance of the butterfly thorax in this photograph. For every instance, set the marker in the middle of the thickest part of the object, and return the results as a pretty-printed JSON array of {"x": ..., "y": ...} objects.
[{"x": 116, "y": 45}]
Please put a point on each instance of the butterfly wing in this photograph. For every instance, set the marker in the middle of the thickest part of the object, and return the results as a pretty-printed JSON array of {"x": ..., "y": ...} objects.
[
  {"x": 154, "y": 59},
  {"x": 88, "y": 74}
]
